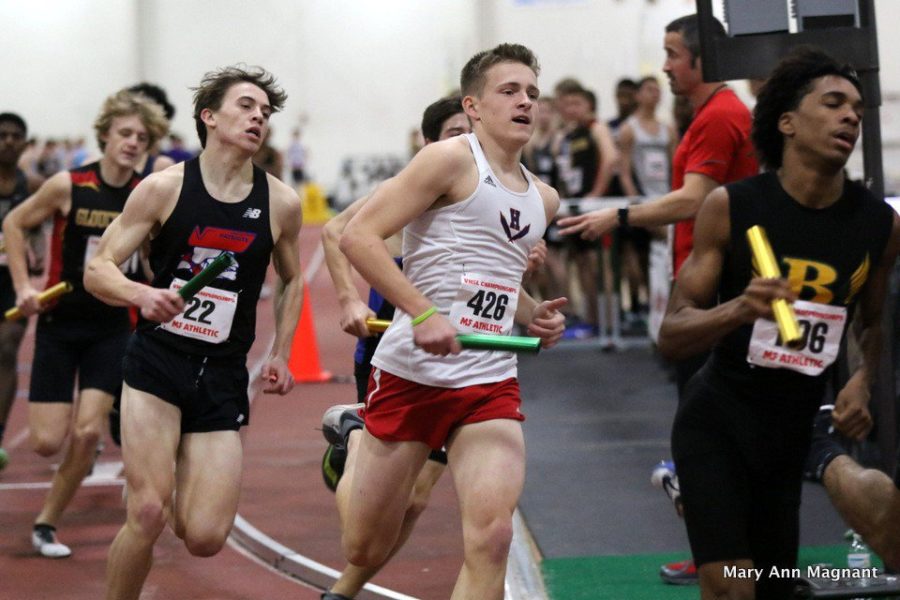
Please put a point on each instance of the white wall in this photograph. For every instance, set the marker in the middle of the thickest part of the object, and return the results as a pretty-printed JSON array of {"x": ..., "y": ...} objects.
[
  {"x": 360, "y": 70},
  {"x": 62, "y": 58},
  {"x": 596, "y": 41}
]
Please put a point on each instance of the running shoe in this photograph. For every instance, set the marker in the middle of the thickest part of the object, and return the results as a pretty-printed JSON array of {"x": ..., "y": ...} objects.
[
  {"x": 665, "y": 478},
  {"x": 683, "y": 572},
  {"x": 339, "y": 420},
  {"x": 333, "y": 596},
  {"x": 43, "y": 538},
  {"x": 333, "y": 462}
]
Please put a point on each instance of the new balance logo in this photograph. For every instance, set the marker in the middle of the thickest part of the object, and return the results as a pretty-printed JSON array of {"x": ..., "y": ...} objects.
[
  {"x": 489, "y": 181},
  {"x": 252, "y": 213}
]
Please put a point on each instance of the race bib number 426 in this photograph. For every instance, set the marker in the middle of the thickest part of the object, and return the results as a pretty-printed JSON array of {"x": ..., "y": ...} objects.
[
  {"x": 484, "y": 304},
  {"x": 208, "y": 315},
  {"x": 822, "y": 326}
]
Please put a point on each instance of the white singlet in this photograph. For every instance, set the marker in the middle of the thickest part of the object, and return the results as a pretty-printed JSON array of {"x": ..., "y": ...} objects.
[
  {"x": 650, "y": 158},
  {"x": 468, "y": 259}
]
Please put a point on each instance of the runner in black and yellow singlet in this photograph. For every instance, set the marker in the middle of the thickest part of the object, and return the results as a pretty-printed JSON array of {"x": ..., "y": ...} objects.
[{"x": 742, "y": 432}]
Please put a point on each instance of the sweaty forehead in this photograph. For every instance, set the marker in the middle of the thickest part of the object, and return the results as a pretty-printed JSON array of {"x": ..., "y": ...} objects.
[
  {"x": 246, "y": 89},
  {"x": 510, "y": 72},
  {"x": 835, "y": 84}
]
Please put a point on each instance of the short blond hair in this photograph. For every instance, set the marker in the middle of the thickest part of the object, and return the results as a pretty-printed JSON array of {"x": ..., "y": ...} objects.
[{"x": 125, "y": 104}]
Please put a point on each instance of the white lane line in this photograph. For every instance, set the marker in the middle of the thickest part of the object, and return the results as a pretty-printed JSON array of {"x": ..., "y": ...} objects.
[
  {"x": 18, "y": 439},
  {"x": 105, "y": 473},
  {"x": 45, "y": 485},
  {"x": 315, "y": 263}
]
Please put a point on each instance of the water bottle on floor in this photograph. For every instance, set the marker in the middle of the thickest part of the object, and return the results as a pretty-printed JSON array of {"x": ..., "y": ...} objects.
[{"x": 859, "y": 556}]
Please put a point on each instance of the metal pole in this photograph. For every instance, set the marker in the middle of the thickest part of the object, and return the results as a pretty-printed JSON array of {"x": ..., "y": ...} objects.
[{"x": 884, "y": 392}]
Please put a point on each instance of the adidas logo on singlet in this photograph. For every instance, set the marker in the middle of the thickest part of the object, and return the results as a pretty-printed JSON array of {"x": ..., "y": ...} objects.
[
  {"x": 489, "y": 181},
  {"x": 252, "y": 213}
]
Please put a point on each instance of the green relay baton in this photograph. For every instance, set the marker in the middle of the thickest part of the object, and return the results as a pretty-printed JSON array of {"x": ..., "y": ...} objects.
[
  {"x": 478, "y": 341},
  {"x": 505, "y": 343},
  {"x": 206, "y": 276}
]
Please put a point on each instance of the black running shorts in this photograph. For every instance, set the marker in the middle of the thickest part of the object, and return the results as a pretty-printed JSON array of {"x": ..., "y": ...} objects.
[
  {"x": 211, "y": 392},
  {"x": 66, "y": 350},
  {"x": 739, "y": 458}
]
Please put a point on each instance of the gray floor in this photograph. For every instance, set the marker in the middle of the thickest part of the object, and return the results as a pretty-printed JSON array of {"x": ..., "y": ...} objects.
[{"x": 597, "y": 424}]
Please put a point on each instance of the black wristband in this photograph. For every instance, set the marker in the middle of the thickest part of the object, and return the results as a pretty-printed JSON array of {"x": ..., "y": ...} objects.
[{"x": 623, "y": 216}]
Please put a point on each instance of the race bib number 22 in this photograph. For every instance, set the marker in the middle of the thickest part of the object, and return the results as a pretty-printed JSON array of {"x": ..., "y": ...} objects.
[{"x": 208, "y": 315}]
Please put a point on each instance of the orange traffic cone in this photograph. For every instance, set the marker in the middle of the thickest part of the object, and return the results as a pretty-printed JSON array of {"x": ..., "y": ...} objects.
[{"x": 304, "y": 361}]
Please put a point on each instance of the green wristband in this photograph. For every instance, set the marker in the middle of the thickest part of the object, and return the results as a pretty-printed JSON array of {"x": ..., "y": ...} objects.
[{"x": 424, "y": 316}]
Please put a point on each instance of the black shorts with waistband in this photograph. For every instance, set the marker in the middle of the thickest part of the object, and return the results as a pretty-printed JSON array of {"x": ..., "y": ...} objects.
[
  {"x": 211, "y": 392},
  {"x": 67, "y": 350},
  {"x": 739, "y": 456}
]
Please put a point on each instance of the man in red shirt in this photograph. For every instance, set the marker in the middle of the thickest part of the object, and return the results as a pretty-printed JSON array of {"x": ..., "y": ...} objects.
[{"x": 715, "y": 150}]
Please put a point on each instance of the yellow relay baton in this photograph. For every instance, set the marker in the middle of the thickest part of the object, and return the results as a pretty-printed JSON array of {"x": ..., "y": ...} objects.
[
  {"x": 788, "y": 327},
  {"x": 63, "y": 287},
  {"x": 377, "y": 325}
]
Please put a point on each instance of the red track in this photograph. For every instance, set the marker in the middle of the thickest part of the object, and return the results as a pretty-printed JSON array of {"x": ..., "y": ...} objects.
[{"x": 283, "y": 496}]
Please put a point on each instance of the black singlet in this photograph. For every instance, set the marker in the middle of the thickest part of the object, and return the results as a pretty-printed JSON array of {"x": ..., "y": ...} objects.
[{"x": 199, "y": 229}]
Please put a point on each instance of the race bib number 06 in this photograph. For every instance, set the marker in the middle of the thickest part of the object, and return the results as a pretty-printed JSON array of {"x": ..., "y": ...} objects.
[
  {"x": 208, "y": 315},
  {"x": 484, "y": 304},
  {"x": 822, "y": 326}
]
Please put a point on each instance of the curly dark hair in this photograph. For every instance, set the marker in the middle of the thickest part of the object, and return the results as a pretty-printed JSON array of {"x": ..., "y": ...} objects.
[
  {"x": 472, "y": 78},
  {"x": 215, "y": 84},
  {"x": 791, "y": 80},
  {"x": 437, "y": 112}
]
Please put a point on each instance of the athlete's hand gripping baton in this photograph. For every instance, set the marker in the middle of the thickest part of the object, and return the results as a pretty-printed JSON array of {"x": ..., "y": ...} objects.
[
  {"x": 788, "y": 326},
  {"x": 206, "y": 276},
  {"x": 478, "y": 341},
  {"x": 63, "y": 287}
]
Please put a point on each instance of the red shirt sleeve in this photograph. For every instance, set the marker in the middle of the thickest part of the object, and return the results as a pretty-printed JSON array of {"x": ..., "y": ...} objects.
[{"x": 716, "y": 141}]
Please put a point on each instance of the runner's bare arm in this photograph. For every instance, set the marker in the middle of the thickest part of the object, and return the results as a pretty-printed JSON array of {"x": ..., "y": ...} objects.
[
  {"x": 147, "y": 208},
  {"x": 677, "y": 205},
  {"x": 354, "y": 311},
  {"x": 543, "y": 319},
  {"x": 692, "y": 325},
  {"x": 54, "y": 196},
  {"x": 626, "y": 146},
  {"x": 609, "y": 158},
  {"x": 287, "y": 216},
  {"x": 430, "y": 176},
  {"x": 440, "y": 171},
  {"x": 851, "y": 407}
]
